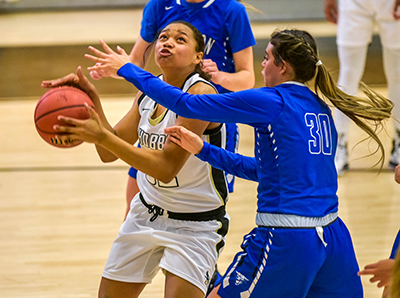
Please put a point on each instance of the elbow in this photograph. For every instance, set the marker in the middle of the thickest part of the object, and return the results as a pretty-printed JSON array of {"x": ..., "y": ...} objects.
[
  {"x": 106, "y": 159},
  {"x": 251, "y": 81},
  {"x": 167, "y": 177}
]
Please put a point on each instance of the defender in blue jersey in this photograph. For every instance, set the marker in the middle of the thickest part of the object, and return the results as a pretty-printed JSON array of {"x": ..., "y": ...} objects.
[{"x": 300, "y": 247}]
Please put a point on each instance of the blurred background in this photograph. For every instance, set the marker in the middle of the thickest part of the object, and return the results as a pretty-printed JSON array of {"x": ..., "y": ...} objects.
[
  {"x": 60, "y": 209},
  {"x": 45, "y": 39}
]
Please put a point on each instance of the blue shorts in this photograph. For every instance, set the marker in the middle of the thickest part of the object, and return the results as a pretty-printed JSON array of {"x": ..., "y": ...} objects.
[
  {"x": 395, "y": 246},
  {"x": 290, "y": 262}
]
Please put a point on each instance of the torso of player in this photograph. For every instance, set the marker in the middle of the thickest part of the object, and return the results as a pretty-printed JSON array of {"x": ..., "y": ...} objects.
[{"x": 197, "y": 187}]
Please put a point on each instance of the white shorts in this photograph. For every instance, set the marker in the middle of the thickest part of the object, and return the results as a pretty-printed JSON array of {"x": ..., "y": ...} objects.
[
  {"x": 357, "y": 19},
  {"x": 188, "y": 249}
]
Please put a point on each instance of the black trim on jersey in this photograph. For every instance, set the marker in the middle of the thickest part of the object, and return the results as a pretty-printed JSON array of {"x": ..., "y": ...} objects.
[
  {"x": 187, "y": 78},
  {"x": 212, "y": 131},
  {"x": 202, "y": 80},
  {"x": 216, "y": 214},
  {"x": 223, "y": 230},
  {"x": 215, "y": 138},
  {"x": 141, "y": 98}
]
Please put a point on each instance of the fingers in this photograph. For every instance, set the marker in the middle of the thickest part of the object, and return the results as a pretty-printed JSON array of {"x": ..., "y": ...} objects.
[
  {"x": 70, "y": 79},
  {"x": 73, "y": 123},
  {"x": 95, "y": 59},
  {"x": 172, "y": 129},
  {"x": 106, "y": 47},
  {"x": 90, "y": 109},
  {"x": 121, "y": 50},
  {"x": 97, "y": 52}
]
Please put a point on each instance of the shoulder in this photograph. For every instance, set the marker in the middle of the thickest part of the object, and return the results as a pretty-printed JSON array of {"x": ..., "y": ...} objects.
[{"x": 202, "y": 87}]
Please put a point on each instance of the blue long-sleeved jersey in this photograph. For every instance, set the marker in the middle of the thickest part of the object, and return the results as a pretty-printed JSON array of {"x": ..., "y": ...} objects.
[{"x": 295, "y": 140}]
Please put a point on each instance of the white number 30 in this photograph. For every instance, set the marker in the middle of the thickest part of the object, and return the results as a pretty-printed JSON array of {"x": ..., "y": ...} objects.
[{"x": 321, "y": 134}]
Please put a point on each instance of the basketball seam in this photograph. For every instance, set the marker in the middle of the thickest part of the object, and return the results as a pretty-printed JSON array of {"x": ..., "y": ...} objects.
[{"x": 59, "y": 109}]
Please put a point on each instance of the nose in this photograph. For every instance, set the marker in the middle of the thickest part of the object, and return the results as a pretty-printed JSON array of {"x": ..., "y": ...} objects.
[
  {"x": 168, "y": 43},
  {"x": 262, "y": 63}
]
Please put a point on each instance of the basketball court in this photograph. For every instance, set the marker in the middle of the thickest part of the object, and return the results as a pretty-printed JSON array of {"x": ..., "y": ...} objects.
[{"x": 60, "y": 209}]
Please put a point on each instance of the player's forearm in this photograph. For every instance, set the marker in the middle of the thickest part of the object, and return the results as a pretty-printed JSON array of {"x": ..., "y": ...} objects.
[
  {"x": 154, "y": 163},
  {"x": 238, "y": 81}
]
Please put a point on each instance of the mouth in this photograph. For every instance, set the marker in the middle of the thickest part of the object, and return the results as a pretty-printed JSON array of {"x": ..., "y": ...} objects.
[{"x": 165, "y": 53}]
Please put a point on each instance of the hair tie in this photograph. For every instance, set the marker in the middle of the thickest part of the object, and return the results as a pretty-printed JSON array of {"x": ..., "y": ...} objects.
[{"x": 319, "y": 62}]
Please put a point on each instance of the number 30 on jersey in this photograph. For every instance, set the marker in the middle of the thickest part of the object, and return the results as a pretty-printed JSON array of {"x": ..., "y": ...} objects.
[{"x": 321, "y": 133}]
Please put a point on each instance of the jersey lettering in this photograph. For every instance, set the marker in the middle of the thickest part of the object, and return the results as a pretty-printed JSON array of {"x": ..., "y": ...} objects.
[
  {"x": 208, "y": 44},
  {"x": 152, "y": 140},
  {"x": 320, "y": 132},
  {"x": 174, "y": 183}
]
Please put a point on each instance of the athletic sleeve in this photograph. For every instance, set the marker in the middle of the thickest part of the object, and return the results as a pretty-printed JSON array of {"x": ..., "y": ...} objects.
[
  {"x": 149, "y": 24},
  {"x": 395, "y": 246},
  {"x": 238, "y": 165},
  {"x": 256, "y": 107},
  {"x": 239, "y": 29}
]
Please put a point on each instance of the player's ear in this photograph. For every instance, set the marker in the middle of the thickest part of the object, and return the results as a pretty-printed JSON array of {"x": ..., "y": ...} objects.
[{"x": 199, "y": 57}]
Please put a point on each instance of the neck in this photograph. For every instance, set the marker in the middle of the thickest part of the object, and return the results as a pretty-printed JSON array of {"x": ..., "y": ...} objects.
[{"x": 176, "y": 77}]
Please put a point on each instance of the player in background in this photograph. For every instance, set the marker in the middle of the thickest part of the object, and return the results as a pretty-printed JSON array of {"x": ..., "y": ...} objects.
[
  {"x": 300, "y": 247},
  {"x": 356, "y": 20},
  {"x": 384, "y": 271},
  {"x": 228, "y": 55},
  {"x": 178, "y": 221}
]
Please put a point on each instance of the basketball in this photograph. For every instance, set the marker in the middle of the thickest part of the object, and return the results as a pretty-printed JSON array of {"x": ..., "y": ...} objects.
[{"x": 66, "y": 101}]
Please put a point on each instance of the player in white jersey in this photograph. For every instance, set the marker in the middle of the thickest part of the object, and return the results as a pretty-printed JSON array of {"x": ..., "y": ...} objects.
[
  {"x": 177, "y": 222},
  {"x": 356, "y": 20},
  {"x": 205, "y": 185}
]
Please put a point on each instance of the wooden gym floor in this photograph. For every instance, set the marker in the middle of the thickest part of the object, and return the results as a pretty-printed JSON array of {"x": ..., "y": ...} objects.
[{"x": 60, "y": 209}]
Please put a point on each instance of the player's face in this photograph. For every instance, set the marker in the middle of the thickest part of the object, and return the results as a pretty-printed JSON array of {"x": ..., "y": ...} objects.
[
  {"x": 176, "y": 48},
  {"x": 271, "y": 72}
]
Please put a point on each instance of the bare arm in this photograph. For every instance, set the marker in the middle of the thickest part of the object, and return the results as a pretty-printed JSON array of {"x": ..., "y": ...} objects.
[
  {"x": 397, "y": 174},
  {"x": 140, "y": 53},
  {"x": 331, "y": 11},
  {"x": 242, "y": 79},
  {"x": 160, "y": 164},
  {"x": 396, "y": 10}
]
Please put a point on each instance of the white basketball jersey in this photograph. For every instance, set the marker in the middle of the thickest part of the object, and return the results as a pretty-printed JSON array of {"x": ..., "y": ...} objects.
[{"x": 198, "y": 187}]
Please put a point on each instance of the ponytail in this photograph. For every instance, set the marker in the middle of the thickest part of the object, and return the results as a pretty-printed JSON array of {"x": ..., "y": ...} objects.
[{"x": 367, "y": 113}]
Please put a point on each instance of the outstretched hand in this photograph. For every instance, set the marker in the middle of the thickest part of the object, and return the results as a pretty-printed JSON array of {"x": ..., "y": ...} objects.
[
  {"x": 382, "y": 272},
  {"x": 89, "y": 130},
  {"x": 185, "y": 138},
  {"x": 77, "y": 80},
  {"x": 108, "y": 63}
]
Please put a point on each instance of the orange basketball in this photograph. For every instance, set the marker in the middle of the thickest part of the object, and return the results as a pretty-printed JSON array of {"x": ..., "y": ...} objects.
[{"x": 66, "y": 101}]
